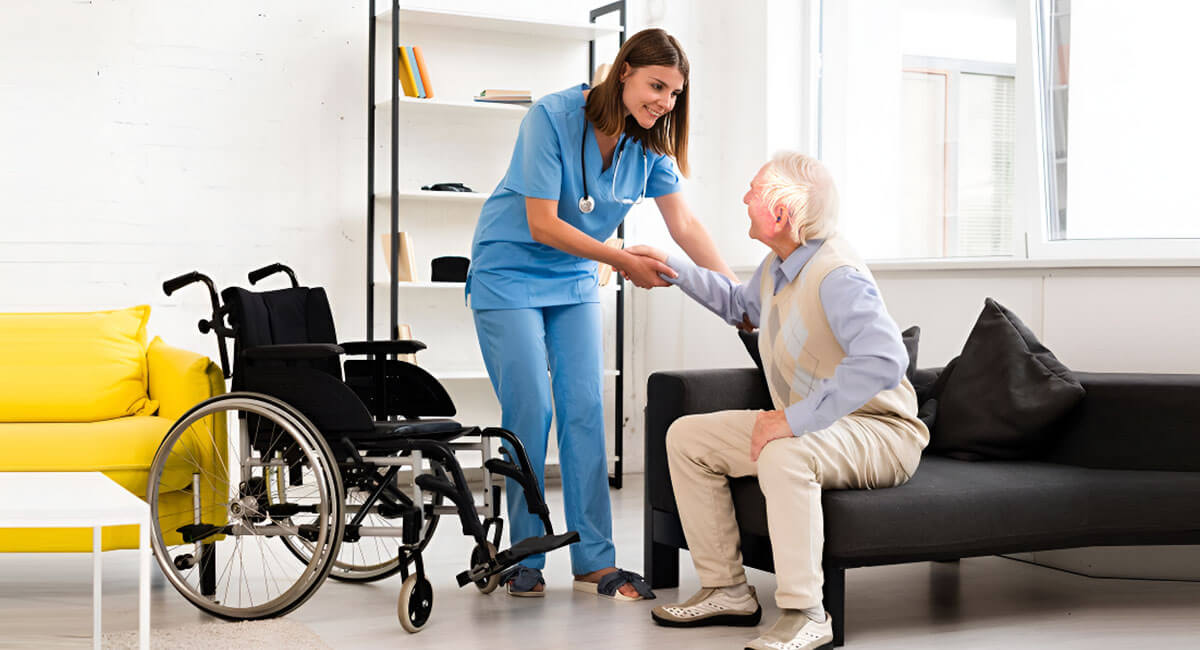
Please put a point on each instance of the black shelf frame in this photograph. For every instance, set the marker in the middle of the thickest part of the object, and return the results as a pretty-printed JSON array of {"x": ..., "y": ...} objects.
[{"x": 615, "y": 479}]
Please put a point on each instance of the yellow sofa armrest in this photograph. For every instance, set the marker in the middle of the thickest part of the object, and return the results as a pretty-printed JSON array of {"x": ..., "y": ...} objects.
[{"x": 180, "y": 379}]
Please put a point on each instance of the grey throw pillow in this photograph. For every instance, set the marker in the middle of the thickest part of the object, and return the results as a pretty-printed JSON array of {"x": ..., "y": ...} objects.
[{"x": 999, "y": 398}]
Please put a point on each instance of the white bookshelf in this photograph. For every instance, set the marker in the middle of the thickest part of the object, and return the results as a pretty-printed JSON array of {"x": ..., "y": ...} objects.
[
  {"x": 454, "y": 138},
  {"x": 493, "y": 23}
]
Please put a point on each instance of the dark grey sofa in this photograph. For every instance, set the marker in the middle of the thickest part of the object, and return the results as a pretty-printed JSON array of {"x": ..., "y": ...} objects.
[{"x": 1122, "y": 468}]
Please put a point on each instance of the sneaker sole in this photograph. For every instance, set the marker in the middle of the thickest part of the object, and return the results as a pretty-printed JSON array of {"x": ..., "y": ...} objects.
[{"x": 730, "y": 620}]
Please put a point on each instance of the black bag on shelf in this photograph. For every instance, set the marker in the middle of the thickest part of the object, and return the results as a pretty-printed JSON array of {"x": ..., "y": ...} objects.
[{"x": 450, "y": 268}]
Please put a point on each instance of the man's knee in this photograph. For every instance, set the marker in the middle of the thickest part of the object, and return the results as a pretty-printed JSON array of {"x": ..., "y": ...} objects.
[
  {"x": 790, "y": 458},
  {"x": 682, "y": 434}
]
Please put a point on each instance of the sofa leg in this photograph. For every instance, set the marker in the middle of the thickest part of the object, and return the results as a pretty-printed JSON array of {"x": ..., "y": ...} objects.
[
  {"x": 835, "y": 602},
  {"x": 662, "y": 565}
]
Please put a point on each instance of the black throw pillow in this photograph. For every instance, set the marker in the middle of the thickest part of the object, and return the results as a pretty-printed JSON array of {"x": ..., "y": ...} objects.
[
  {"x": 1002, "y": 393},
  {"x": 750, "y": 340}
]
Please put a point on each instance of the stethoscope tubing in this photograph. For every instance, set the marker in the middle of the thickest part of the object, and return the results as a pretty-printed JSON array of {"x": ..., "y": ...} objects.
[{"x": 586, "y": 203}]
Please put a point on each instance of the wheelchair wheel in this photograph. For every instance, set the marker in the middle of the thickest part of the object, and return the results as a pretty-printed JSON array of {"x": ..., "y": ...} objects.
[
  {"x": 479, "y": 555},
  {"x": 415, "y": 603},
  {"x": 215, "y": 530},
  {"x": 368, "y": 558}
]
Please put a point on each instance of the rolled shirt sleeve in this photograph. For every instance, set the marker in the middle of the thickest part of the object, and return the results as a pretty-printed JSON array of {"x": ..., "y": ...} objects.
[
  {"x": 536, "y": 170},
  {"x": 875, "y": 355},
  {"x": 727, "y": 299}
]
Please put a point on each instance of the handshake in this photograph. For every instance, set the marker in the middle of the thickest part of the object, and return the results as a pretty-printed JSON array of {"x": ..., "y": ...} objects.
[{"x": 644, "y": 266}]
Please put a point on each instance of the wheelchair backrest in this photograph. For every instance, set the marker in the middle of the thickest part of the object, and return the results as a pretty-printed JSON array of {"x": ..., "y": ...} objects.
[{"x": 290, "y": 316}]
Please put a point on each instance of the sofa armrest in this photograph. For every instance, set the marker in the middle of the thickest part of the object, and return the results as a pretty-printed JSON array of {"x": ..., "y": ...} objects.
[
  {"x": 673, "y": 394},
  {"x": 180, "y": 379}
]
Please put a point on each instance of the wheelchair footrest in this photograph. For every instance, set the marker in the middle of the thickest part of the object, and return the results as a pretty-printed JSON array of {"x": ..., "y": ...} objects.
[
  {"x": 519, "y": 551},
  {"x": 193, "y": 533}
]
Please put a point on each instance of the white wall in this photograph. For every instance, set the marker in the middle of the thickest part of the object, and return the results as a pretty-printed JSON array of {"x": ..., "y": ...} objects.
[{"x": 144, "y": 139}]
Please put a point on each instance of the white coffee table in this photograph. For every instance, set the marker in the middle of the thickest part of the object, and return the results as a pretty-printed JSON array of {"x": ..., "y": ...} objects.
[{"x": 81, "y": 500}]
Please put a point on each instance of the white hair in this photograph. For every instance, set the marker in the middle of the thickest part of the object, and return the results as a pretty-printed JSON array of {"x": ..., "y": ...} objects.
[{"x": 804, "y": 187}]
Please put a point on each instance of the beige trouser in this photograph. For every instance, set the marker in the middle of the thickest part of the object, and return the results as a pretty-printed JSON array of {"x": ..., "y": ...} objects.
[{"x": 703, "y": 451}]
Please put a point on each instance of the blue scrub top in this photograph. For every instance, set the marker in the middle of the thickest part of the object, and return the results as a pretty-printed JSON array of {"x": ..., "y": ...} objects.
[{"x": 509, "y": 270}]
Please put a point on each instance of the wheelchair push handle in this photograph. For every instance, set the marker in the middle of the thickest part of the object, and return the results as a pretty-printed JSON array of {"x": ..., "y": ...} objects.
[
  {"x": 205, "y": 326},
  {"x": 271, "y": 269},
  {"x": 177, "y": 283}
]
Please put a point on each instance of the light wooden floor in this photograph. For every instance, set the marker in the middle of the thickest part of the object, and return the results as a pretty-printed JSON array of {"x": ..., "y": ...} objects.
[{"x": 982, "y": 603}]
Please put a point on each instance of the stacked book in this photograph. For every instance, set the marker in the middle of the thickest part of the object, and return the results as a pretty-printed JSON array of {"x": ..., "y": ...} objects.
[
  {"x": 504, "y": 96},
  {"x": 414, "y": 76}
]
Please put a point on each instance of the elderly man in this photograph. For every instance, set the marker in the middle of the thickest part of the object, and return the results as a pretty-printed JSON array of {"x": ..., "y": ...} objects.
[{"x": 844, "y": 418}]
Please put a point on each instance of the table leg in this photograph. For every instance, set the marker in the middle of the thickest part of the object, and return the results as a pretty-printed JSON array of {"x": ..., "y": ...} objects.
[
  {"x": 96, "y": 583},
  {"x": 144, "y": 585}
]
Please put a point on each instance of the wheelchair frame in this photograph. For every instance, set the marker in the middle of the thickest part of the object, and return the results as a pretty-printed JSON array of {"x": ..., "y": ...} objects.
[{"x": 291, "y": 444}]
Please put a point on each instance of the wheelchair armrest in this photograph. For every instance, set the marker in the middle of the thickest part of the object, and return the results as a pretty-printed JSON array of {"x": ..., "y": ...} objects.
[
  {"x": 293, "y": 352},
  {"x": 400, "y": 346}
]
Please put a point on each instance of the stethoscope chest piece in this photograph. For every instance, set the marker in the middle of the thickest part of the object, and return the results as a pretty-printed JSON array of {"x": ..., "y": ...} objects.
[{"x": 587, "y": 204}]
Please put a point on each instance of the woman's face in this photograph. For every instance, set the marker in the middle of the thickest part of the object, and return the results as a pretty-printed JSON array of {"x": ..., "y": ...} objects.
[{"x": 650, "y": 92}]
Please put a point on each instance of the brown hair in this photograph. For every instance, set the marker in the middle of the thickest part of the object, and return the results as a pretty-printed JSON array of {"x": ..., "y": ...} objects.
[{"x": 606, "y": 108}]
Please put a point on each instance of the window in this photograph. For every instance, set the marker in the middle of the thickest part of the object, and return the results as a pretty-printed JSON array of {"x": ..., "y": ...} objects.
[
  {"x": 1131, "y": 166},
  {"x": 918, "y": 125}
]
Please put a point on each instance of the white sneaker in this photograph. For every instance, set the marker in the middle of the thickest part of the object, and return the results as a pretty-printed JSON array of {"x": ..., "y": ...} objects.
[
  {"x": 795, "y": 633},
  {"x": 710, "y": 607}
]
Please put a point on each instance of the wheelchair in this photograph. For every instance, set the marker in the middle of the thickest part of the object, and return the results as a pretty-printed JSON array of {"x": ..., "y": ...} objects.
[{"x": 298, "y": 474}]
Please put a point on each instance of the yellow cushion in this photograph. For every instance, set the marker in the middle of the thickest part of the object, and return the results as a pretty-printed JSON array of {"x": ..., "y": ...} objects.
[
  {"x": 74, "y": 367},
  {"x": 122, "y": 448}
]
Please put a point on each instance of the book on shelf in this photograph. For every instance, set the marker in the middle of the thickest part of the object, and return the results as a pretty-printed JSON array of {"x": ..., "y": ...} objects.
[
  {"x": 407, "y": 260},
  {"x": 407, "y": 81},
  {"x": 504, "y": 96},
  {"x": 604, "y": 271},
  {"x": 415, "y": 72},
  {"x": 423, "y": 71}
]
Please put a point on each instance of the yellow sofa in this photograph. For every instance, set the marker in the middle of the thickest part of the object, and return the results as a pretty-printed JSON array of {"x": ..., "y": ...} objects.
[{"x": 85, "y": 392}]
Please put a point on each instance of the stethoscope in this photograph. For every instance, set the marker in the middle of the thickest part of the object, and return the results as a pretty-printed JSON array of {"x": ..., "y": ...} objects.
[{"x": 587, "y": 203}]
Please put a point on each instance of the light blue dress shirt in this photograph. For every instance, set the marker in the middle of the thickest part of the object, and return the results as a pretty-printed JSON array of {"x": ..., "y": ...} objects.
[
  {"x": 875, "y": 355},
  {"x": 509, "y": 270}
]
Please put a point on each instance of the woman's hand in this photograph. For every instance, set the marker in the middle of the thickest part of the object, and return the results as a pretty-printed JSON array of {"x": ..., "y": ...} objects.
[
  {"x": 644, "y": 270},
  {"x": 648, "y": 251}
]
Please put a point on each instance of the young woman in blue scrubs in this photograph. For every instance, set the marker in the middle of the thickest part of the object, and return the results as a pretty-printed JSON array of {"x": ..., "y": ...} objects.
[{"x": 583, "y": 157}]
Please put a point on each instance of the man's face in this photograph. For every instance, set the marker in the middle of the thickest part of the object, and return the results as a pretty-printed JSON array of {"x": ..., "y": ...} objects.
[
  {"x": 763, "y": 224},
  {"x": 650, "y": 92}
]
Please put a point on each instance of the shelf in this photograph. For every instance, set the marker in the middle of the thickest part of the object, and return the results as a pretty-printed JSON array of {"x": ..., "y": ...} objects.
[
  {"x": 443, "y": 105},
  {"x": 492, "y": 23},
  {"x": 451, "y": 375},
  {"x": 438, "y": 197}
]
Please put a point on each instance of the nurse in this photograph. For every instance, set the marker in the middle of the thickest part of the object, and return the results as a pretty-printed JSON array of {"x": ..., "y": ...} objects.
[{"x": 583, "y": 157}]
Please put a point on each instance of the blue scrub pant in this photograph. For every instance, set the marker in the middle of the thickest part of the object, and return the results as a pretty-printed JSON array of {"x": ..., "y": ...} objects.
[{"x": 517, "y": 345}]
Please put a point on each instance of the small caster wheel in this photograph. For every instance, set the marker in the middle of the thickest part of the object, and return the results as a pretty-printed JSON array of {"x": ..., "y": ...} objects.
[
  {"x": 480, "y": 555},
  {"x": 184, "y": 562},
  {"x": 415, "y": 603}
]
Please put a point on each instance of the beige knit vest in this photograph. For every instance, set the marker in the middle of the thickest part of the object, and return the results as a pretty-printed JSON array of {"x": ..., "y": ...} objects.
[{"x": 798, "y": 347}]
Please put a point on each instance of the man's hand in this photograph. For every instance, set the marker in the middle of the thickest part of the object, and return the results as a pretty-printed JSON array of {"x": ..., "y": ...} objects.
[
  {"x": 745, "y": 325},
  {"x": 768, "y": 426},
  {"x": 643, "y": 270}
]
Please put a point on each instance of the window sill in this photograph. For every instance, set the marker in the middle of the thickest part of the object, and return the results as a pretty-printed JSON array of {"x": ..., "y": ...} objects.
[{"x": 1016, "y": 264}]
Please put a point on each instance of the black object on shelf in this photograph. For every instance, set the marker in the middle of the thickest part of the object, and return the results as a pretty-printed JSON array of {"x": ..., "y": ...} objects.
[
  {"x": 450, "y": 268},
  {"x": 447, "y": 187}
]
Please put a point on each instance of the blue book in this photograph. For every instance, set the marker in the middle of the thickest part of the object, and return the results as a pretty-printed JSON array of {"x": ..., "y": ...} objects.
[{"x": 416, "y": 72}]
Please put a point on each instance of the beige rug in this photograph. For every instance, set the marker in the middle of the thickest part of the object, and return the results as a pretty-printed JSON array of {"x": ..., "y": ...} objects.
[{"x": 273, "y": 633}]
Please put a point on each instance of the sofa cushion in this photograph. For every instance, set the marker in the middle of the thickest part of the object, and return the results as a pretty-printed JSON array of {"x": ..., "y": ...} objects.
[
  {"x": 953, "y": 508},
  {"x": 1002, "y": 393},
  {"x": 122, "y": 448},
  {"x": 74, "y": 367}
]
